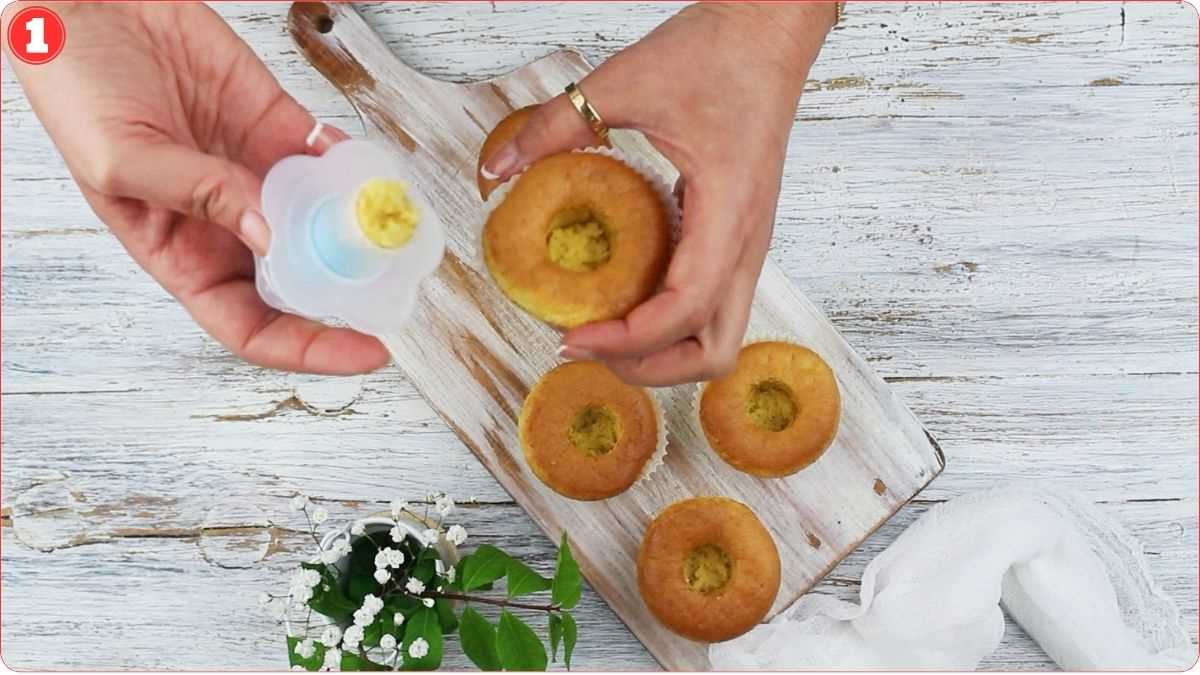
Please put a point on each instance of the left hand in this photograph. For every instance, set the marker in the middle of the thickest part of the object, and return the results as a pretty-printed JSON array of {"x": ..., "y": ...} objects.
[
  {"x": 168, "y": 122},
  {"x": 715, "y": 89}
]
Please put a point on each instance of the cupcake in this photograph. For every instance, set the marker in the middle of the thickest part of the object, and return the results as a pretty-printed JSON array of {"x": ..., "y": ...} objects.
[
  {"x": 775, "y": 413},
  {"x": 708, "y": 569},
  {"x": 505, "y": 131},
  {"x": 588, "y": 435},
  {"x": 578, "y": 237}
]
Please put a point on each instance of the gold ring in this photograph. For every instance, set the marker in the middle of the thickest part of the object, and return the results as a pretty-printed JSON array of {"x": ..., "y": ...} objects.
[{"x": 589, "y": 113}]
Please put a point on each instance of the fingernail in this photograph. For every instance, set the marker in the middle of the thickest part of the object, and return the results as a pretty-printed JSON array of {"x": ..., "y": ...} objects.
[
  {"x": 504, "y": 161},
  {"x": 570, "y": 353},
  {"x": 324, "y": 135},
  {"x": 314, "y": 134},
  {"x": 255, "y": 232}
]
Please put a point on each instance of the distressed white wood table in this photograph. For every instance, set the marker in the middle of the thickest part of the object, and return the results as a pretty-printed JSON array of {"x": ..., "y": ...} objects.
[{"x": 996, "y": 204}]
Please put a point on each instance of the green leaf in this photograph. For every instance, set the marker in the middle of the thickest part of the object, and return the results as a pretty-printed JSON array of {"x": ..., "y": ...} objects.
[
  {"x": 314, "y": 662},
  {"x": 328, "y": 598},
  {"x": 567, "y": 585},
  {"x": 423, "y": 571},
  {"x": 423, "y": 624},
  {"x": 570, "y": 633},
  {"x": 352, "y": 661},
  {"x": 523, "y": 581},
  {"x": 478, "y": 639},
  {"x": 518, "y": 646},
  {"x": 555, "y": 635},
  {"x": 484, "y": 566},
  {"x": 446, "y": 616},
  {"x": 373, "y": 632}
]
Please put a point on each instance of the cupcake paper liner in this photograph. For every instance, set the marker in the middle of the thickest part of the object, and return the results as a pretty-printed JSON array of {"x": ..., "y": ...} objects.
[
  {"x": 657, "y": 181},
  {"x": 660, "y": 450}
]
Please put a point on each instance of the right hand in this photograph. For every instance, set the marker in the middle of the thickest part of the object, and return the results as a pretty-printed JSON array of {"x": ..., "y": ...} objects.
[
  {"x": 168, "y": 122},
  {"x": 715, "y": 90}
]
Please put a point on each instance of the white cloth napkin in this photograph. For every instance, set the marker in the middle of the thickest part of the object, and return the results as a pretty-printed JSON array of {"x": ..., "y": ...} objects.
[{"x": 1073, "y": 579}]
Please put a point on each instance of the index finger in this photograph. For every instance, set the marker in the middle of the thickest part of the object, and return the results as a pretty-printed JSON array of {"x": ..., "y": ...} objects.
[{"x": 234, "y": 314}]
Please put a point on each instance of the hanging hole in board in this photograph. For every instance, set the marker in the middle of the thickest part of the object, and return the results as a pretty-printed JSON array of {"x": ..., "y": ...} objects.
[{"x": 324, "y": 24}]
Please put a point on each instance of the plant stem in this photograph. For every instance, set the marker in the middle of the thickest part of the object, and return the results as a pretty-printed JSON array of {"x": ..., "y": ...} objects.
[{"x": 491, "y": 601}]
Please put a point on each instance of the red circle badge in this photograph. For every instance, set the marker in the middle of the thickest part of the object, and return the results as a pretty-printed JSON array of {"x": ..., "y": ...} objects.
[{"x": 36, "y": 35}]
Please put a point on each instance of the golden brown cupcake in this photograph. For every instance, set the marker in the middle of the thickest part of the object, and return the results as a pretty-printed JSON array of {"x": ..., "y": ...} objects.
[
  {"x": 775, "y": 413},
  {"x": 586, "y": 434},
  {"x": 579, "y": 237},
  {"x": 708, "y": 569},
  {"x": 505, "y": 131}
]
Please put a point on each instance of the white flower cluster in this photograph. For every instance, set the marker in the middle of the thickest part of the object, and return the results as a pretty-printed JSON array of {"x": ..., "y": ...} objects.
[
  {"x": 303, "y": 582},
  {"x": 364, "y": 616},
  {"x": 387, "y": 559},
  {"x": 418, "y": 648},
  {"x": 339, "y": 550}
]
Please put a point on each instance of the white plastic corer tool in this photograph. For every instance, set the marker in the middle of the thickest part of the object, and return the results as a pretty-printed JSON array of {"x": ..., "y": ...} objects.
[{"x": 352, "y": 236}]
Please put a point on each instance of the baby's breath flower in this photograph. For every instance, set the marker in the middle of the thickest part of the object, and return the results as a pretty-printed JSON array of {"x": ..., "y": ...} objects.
[
  {"x": 305, "y": 648},
  {"x": 457, "y": 534},
  {"x": 342, "y": 546},
  {"x": 330, "y": 556},
  {"x": 358, "y": 529},
  {"x": 414, "y": 586},
  {"x": 330, "y": 636},
  {"x": 352, "y": 637},
  {"x": 450, "y": 575},
  {"x": 363, "y": 617},
  {"x": 381, "y": 559},
  {"x": 382, "y": 575},
  {"x": 320, "y": 515},
  {"x": 418, "y": 649},
  {"x": 372, "y": 602},
  {"x": 395, "y": 558},
  {"x": 264, "y": 598},
  {"x": 428, "y": 602},
  {"x": 397, "y": 534},
  {"x": 302, "y": 595},
  {"x": 306, "y": 578},
  {"x": 444, "y": 505},
  {"x": 298, "y": 503},
  {"x": 333, "y": 660},
  {"x": 387, "y": 643},
  {"x": 431, "y": 536},
  {"x": 398, "y": 619}
]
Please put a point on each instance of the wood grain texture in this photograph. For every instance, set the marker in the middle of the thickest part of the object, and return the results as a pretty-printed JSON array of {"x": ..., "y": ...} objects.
[
  {"x": 1011, "y": 247},
  {"x": 474, "y": 356}
]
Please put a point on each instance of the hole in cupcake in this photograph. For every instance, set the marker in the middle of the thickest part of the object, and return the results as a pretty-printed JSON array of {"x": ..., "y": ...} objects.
[
  {"x": 594, "y": 431},
  {"x": 771, "y": 407},
  {"x": 578, "y": 240},
  {"x": 707, "y": 569}
]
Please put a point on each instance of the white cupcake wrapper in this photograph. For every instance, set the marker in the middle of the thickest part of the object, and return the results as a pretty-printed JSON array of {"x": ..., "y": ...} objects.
[
  {"x": 662, "y": 188},
  {"x": 752, "y": 337},
  {"x": 660, "y": 450}
]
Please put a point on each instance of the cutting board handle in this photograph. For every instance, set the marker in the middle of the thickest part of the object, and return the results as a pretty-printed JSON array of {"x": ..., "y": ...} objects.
[{"x": 325, "y": 31}]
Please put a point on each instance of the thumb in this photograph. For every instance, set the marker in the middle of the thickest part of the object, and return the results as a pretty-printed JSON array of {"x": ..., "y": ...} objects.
[
  {"x": 203, "y": 186},
  {"x": 556, "y": 126}
]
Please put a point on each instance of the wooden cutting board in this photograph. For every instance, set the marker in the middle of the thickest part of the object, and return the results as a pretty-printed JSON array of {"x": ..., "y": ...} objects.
[{"x": 474, "y": 356}]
